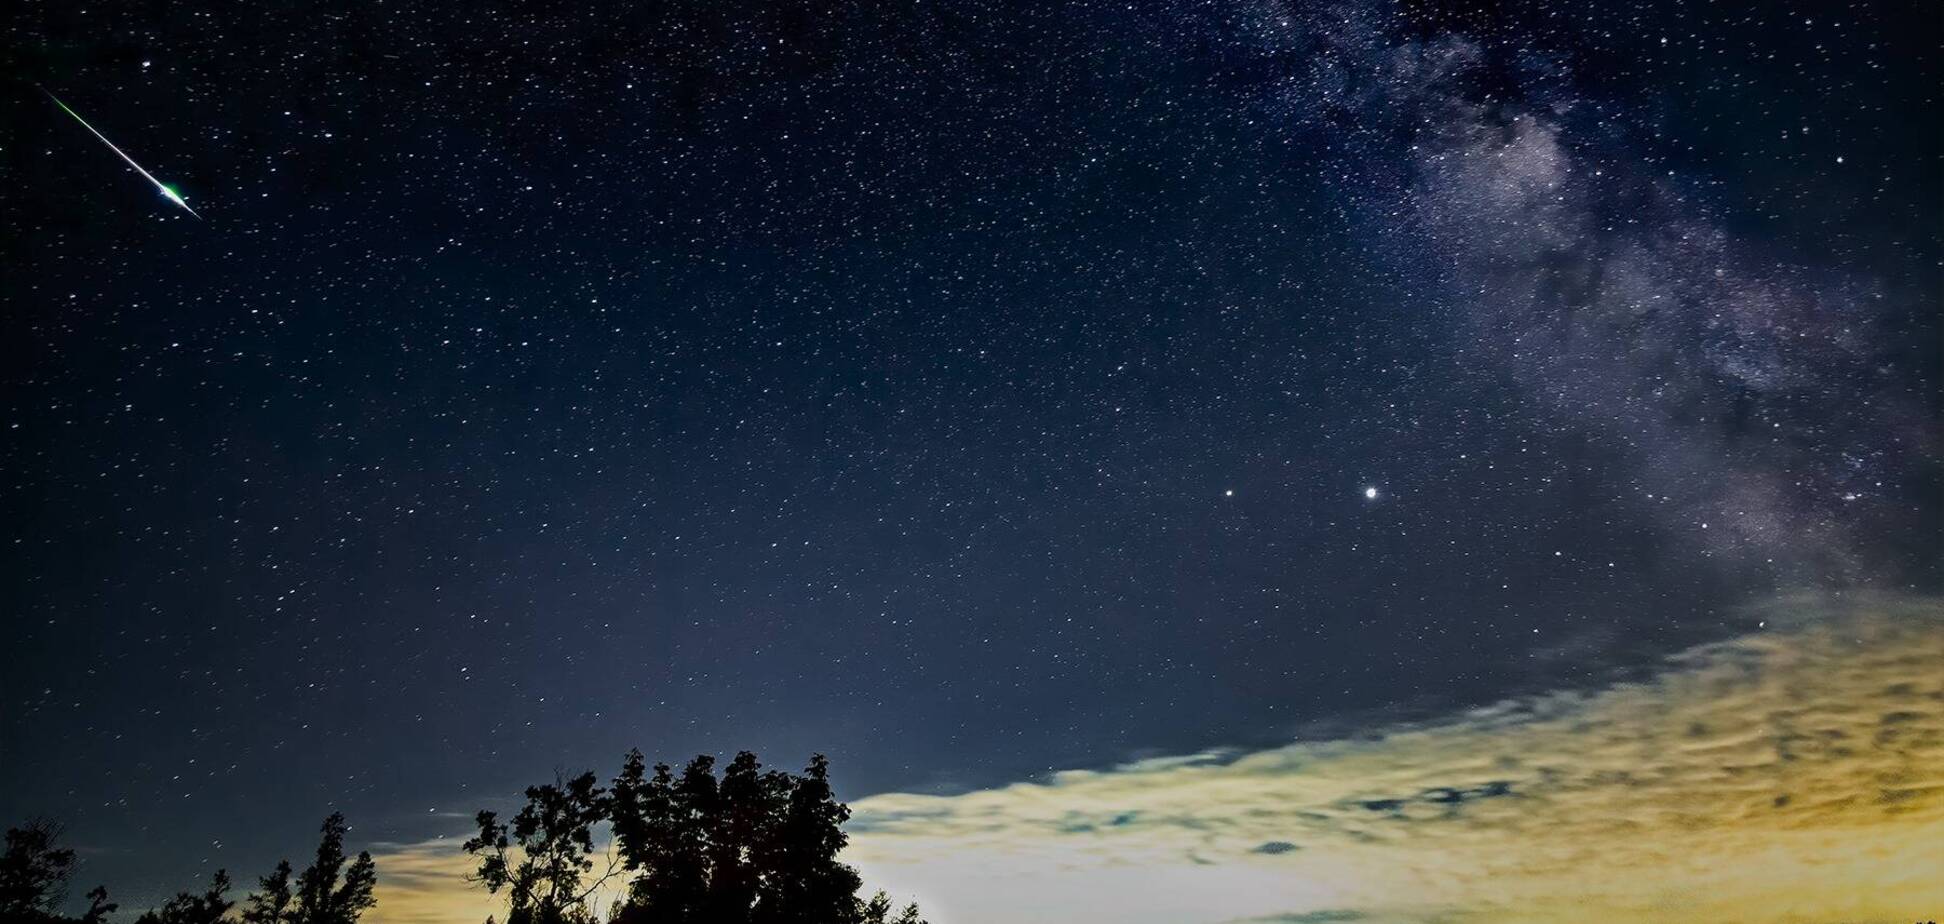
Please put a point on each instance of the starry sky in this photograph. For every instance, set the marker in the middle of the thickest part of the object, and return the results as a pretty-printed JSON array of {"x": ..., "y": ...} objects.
[{"x": 973, "y": 392}]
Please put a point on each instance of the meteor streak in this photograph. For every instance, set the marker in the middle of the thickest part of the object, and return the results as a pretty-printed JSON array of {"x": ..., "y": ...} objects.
[{"x": 168, "y": 192}]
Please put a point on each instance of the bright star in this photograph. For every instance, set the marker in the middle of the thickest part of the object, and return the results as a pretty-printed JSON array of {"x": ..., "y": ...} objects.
[{"x": 1370, "y": 494}]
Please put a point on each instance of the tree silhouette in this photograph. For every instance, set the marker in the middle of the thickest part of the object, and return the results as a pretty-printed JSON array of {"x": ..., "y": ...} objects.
[
  {"x": 321, "y": 897},
  {"x": 809, "y": 885},
  {"x": 878, "y": 911},
  {"x": 657, "y": 834},
  {"x": 750, "y": 847},
  {"x": 34, "y": 872},
  {"x": 270, "y": 904},
  {"x": 187, "y": 908},
  {"x": 747, "y": 847},
  {"x": 34, "y": 875},
  {"x": 555, "y": 839},
  {"x": 741, "y": 825},
  {"x": 99, "y": 907}
]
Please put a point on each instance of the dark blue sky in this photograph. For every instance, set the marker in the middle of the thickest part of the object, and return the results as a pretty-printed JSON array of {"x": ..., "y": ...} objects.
[{"x": 966, "y": 390}]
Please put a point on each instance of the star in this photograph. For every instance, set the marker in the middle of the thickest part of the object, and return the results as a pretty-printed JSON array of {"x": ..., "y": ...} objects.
[{"x": 1370, "y": 493}]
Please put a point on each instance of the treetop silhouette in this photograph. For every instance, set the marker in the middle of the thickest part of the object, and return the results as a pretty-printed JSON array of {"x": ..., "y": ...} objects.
[
  {"x": 34, "y": 875},
  {"x": 748, "y": 847}
]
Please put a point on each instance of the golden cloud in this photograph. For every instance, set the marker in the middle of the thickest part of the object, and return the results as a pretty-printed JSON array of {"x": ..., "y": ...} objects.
[
  {"x": 1793, "y": 775},
  {"x": 425, "y": 883}
]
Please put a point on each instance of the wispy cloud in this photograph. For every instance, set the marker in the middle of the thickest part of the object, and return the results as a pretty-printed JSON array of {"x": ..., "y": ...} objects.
[
  {"x": 425, "y": 883},
  {"x": 1793, "y": 775}
]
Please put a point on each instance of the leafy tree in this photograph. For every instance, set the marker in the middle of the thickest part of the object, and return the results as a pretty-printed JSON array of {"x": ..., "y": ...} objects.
[
  {"x": 321, "y": 896},
  {"x": 749, "y": 847},
  {"x": 658, "y": 832},
  {"x": 742, "y": 827},
  {"x": 270, "y": 904},
  {"x": 555, "y": 839},
  {"x": 808, "y": 885},
  {"x": 698, "y": 800},
  {"x": 187, "y": 908}
]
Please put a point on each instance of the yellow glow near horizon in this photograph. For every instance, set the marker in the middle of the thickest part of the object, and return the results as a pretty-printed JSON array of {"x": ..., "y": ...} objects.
[{"x": 1793, "y": 775}]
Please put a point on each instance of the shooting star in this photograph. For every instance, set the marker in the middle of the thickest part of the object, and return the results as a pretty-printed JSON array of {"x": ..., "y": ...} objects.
[{"x": 168, "y": 192}]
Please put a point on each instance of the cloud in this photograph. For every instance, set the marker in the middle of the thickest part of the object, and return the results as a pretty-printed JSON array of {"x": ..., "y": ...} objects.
[
  {"x": 428, "y": 883},
  {"x": 425, "y": 883},
  {"x": 1313, "y": 917},
  {"x": 1792, "y": 775}
]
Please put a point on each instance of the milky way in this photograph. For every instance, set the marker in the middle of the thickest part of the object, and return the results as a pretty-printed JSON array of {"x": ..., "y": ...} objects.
[{"x": 1771, "y": 408}]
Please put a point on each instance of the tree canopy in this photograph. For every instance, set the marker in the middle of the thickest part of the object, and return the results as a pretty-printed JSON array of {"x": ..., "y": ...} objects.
[{"x": 750, "y": 846}]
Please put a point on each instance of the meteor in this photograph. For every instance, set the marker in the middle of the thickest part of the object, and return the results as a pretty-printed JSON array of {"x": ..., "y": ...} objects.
[{"x": 168, "y": 192}]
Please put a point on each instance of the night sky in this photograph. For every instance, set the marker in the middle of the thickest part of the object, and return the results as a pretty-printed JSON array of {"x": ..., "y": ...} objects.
[{"x": 966, "y": 390}]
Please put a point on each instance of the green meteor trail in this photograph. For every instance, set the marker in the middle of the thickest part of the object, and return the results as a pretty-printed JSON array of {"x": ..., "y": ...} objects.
[{"x": 167, "y": 191}]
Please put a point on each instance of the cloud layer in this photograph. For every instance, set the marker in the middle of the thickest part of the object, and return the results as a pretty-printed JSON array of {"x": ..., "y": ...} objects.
[{"x": 1792, "y": 775}]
